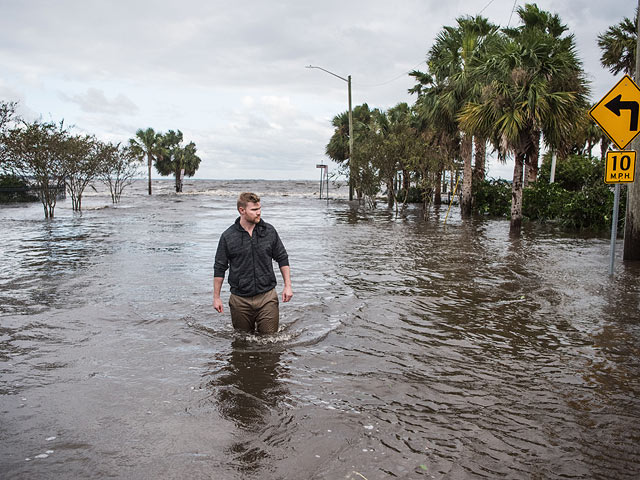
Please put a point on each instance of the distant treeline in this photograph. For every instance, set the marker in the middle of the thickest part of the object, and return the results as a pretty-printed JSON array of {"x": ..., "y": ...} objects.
[{"x": 45, "y": 159}]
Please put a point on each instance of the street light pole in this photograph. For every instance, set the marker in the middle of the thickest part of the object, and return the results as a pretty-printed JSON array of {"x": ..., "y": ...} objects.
[{"x": 348, "y": 80}]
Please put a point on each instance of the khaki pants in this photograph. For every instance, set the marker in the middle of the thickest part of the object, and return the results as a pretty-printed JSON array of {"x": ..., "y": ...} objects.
[{"x": 258, "y": 313}]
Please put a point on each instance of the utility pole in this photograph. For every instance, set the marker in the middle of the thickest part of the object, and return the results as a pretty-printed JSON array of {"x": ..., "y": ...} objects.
[
  {"x": 351, "y": 166},
  {"x": 631, "y": 249}
]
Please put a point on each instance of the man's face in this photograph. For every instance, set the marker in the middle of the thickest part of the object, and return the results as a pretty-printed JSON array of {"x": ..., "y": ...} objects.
[{"x": 251, "y": 213}]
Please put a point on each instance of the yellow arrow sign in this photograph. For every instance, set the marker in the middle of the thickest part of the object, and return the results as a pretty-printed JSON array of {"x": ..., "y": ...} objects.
[
  {"x": 617, "y": 113},
  {"x": 620, "y": 167}
]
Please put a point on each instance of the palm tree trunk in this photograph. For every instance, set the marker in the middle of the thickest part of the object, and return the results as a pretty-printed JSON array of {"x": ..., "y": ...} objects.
[
  {"x": 438, "y": 194},
  {"x": 516, "y": 196},
  {"x": 479, "y": 170},
  {"x": 604, "y": 146},
  {"x": 532, "y": 160},
  {"x": 467, "y": 179},
  {"x": 149, "y": 158},
  {"x": 178, "y": 178}
]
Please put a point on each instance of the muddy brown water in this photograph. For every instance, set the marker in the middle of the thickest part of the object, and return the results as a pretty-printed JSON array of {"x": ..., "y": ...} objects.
[{"x": 410, "y": 350}]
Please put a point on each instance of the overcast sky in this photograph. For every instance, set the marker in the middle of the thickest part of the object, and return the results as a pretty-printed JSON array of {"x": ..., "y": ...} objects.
[{"x": 231, "y": 75}]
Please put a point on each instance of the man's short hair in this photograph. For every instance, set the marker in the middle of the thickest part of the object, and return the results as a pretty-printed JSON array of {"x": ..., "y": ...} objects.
[{"x": 247, "y": 197}]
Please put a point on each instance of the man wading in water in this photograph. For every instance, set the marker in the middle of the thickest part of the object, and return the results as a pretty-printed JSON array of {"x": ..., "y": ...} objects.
[{"x": 247, "y": 249}]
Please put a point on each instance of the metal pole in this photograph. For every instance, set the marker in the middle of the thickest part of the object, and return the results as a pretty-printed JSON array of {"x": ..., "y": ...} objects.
[
  {"x": 351, "y": 176},
  {"x": 348, "y": 80},
  {"x": 631, "y": 246},
  {"x": 326, "y": 172},
  {"x": 614, "y": 226}
]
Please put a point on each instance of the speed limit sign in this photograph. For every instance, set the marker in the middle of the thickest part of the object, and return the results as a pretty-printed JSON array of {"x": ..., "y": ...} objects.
[{"x": 620, "y": 167}]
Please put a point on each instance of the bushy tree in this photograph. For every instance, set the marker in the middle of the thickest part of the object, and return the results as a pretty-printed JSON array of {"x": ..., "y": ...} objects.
[
  {"x": 84, "y": 159},
  {"x": 119, "y": 167},
  {"x": 36, "y": 152},
  {"x": 7, "y": 117}
]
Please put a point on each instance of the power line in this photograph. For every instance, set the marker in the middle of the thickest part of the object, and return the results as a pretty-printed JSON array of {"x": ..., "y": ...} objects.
[
  {"x": 515, "y": 2},
  {"x": 394, "y": 78},
  {"x": 485, "y": 7},
  {"x": 512, "y": 10}
]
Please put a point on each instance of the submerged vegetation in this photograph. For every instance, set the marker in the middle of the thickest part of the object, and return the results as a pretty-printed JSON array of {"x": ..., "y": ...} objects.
[{"x": 578, "y": 199}]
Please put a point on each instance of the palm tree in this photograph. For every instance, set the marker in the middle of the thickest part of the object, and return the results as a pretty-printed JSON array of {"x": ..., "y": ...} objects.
[
  {"x": 452, "y": 57},
  {"x": 338, "y": 147},
  {"x": 146, "y": 144},
  {"x": 539, "y": 25},
  {"x": 436, "y": 123},
  {"x": 174, "y": 158},
  {"x": 618, "y": 45},
  {"x": 537, "y": 87}
]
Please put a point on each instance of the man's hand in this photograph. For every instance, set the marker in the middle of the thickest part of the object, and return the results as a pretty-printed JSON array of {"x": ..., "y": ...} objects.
[
  {"x": 217, "y": 305},
  {"x": 287, "y": 293},
  {"x": 217, "y": 301}
]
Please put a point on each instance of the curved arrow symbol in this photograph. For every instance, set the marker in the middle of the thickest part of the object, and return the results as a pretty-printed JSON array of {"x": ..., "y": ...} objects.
[{"x": 616, "y": 105}]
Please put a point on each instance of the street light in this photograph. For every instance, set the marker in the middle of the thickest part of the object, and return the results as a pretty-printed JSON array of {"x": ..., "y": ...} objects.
[{"x": 348, "y": 80}]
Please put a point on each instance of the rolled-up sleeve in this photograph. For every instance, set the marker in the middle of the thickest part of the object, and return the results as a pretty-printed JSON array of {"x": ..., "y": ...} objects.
[{"x": 221, "y": 263}]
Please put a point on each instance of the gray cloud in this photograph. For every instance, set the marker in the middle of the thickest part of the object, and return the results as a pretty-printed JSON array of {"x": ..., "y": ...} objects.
[
  {"x": 95, "y": 101},
  {"x": 189, "y": 65}
]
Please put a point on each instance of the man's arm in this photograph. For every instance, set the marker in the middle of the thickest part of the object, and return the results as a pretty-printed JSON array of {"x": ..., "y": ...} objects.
[
  {"x": 217, "y": 287},
  {"x": 287, "y": 292},
  {"x": 219, "y": 268}
]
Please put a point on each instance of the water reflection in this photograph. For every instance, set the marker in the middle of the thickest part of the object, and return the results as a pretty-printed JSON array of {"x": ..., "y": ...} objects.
[{"x": 248, "y": 392}]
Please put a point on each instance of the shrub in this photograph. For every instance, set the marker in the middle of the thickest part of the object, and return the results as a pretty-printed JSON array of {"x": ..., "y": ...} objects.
[
  {"x": 544, "y": 201},
  {"x": 579, "y": 198},
  {"x": 492, "y": 197},
  {"x": 14, "y": 189},
  {"x": 574, "y": 172},
  {"x": 416, "y": 195}
]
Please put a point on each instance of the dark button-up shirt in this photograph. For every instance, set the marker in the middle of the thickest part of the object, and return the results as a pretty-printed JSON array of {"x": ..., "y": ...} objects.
[{"x": 249, "y": 258}]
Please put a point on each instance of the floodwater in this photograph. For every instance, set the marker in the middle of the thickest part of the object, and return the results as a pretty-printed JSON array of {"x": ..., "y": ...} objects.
[{"x": 410, "y": 350}]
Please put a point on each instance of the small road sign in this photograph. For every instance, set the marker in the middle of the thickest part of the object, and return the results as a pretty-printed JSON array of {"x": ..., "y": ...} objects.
[
  {"x": 620, "y": 167},
  {"x": 618, "y": 111}
]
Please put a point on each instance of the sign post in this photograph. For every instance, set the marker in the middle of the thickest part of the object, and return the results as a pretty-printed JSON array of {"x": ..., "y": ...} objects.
[
  {"x": 324, "y": 173},
  {"x": 614, "y": 227},
  {"x": 619, "y": 168},
  {"x": 618, "y": 114}
]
